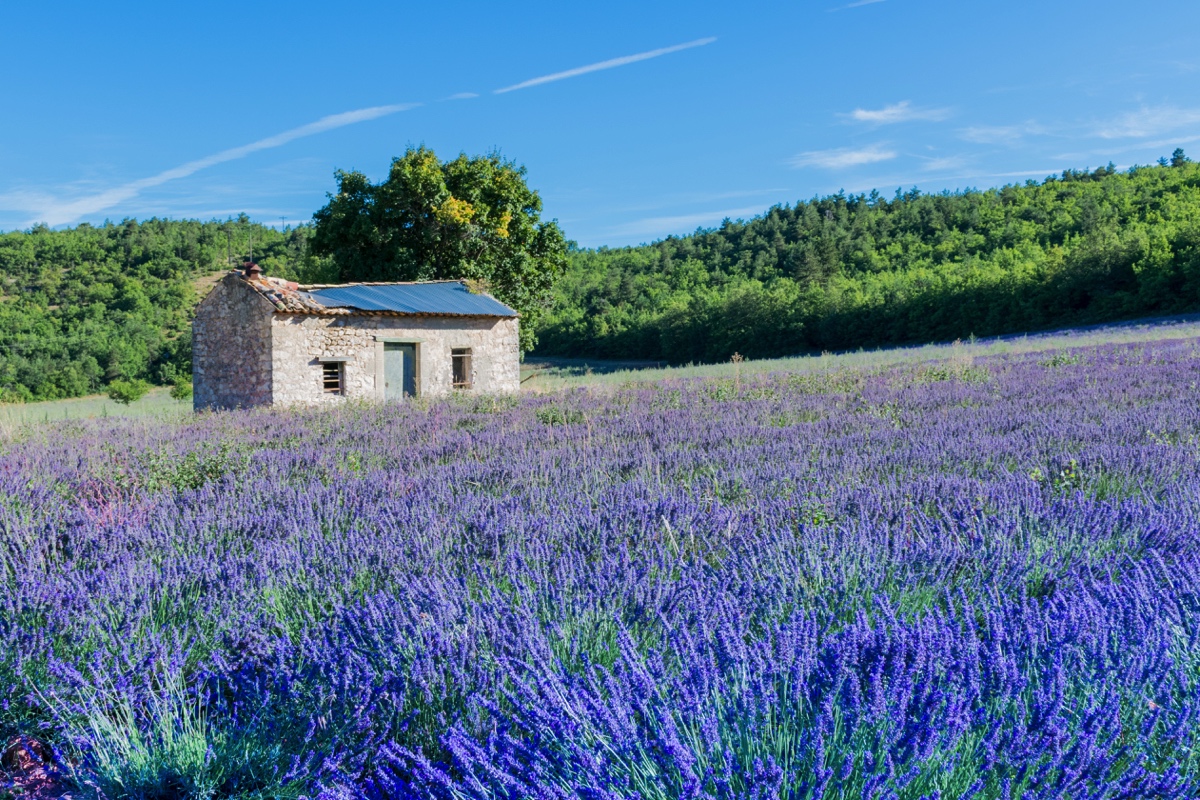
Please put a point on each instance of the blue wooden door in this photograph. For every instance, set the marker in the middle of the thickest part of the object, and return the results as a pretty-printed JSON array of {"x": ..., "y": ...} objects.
[{"x": 399, "y": 370}]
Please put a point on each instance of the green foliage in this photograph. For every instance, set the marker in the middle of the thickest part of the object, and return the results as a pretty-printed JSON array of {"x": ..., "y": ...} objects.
[
  {"x": 967, "y": 373},
  {"x": 159, "y": 470},
  {"x": 471, "y": 218},
  {"x": 553, "y": 415},
  {"x": 171, "y": 755},
  {"x": 126, "y": 392},
  {"x": 166, "y": 748},
  {"x": 1061, "y": 480},
  {"x": 181, "y": 390},
  {"x": 86, "y": 306},
  {"x": 1062, "y": 360},
  {"x": 849, "y": 271}
]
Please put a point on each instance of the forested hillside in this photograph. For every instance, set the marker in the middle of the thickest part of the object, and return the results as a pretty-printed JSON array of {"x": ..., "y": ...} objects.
[
  {"x": 82, "y": 307},
  {"x": 862, "y": 270}
]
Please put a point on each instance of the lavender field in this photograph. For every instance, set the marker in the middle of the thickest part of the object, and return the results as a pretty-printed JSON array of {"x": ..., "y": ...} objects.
[{"x": 950, "y": 579}]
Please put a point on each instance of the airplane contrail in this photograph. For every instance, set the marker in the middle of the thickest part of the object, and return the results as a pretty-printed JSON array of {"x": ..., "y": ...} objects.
[
  {"x": 62, "y": 213},
  {"x": 53, "y": 211},
  {"x": 612, "y": 62}
]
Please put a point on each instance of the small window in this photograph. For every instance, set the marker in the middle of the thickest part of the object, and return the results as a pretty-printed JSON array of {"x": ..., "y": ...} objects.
[
  {"x": 333, "y": 377},
  {"x": 460, "y": 358}
]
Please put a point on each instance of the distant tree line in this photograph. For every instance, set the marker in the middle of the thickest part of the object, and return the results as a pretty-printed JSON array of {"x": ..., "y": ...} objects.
[
  {"x": 90, "y": 306},
  {"x": 864, "y": 270}
]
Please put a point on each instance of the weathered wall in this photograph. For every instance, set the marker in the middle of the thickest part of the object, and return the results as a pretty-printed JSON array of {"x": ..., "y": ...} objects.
[
  {"x": 300, "y": 341},
  {"x": 231, "y": 347}
]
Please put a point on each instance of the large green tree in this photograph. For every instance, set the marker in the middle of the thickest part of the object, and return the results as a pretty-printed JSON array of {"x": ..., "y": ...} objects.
[{"x": 472, "y": 218}]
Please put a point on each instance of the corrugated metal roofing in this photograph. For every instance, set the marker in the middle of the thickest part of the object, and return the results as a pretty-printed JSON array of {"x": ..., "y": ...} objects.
[{"x": 449, "y": 298}]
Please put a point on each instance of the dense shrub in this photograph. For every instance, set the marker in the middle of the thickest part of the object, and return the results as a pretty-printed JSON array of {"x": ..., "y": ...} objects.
[
  {"x": 182, "y": 390},
  {"x": 126, "y": 392}
]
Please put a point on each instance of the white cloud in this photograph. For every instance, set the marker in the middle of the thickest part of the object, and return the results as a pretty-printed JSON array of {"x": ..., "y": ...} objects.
[
  {"x": 462, "y": 96},
  {"x": 683, "y": 223},
  {"x": 1000, "y": 134},
  {"x": 610, "y": 64},
  {"x": 23, "y": 199},
  {"x": 898, "y": 112},
  {"x": 944, "y": 163},
  {"x": 1148, "y": 122},
  {"x": 857, "y": 4},
  {"x": 1157, "y": 121},
  {"x": 58, "y": 211},
  {"x": 1140, "y": 147},
  {"x": 842, "y": 157}
]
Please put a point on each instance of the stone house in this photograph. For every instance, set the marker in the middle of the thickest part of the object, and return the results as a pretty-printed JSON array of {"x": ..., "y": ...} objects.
[{"x": 260, "y": 341}]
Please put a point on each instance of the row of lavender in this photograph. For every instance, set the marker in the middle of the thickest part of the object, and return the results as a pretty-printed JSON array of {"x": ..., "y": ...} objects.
[{"x": 942, "y": 580}]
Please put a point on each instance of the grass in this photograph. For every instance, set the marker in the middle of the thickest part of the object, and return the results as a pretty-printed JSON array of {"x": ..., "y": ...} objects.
[
  {"x": 166, "y": 748},
  {"x": 157, "y": 402},
  {"x": 552, "y": 374}
]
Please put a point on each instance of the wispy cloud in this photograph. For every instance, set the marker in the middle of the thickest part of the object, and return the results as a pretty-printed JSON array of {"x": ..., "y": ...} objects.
[
  {"x": 1148, "y": 122},
  {"x": 1157, "y": 121},
  {"x": 898, "y": 112},
  {"x": 856, "y": 4},
  {"x": 1144, "y": 149},
  {"x": 59, "y": 211},
  {"x": 944, "y": 163},
  {"x": 1001, "y": 134},
  {"x": 610, "y": 64},
  {"x": 683, "y": 223},
  {"x": 841, "y": 157},
  {"x": 462, "y": 96}
]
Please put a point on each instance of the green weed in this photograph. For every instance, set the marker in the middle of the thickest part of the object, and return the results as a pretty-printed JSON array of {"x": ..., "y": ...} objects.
[
  {"x": 1062, "y": 360},
  {"x": 555, "y": 415}
]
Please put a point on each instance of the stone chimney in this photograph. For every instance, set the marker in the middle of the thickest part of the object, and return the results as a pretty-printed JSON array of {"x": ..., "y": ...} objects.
[{"x": 252, "y": 271}]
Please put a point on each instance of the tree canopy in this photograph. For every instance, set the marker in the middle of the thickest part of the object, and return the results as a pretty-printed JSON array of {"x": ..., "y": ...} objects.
[{"x": 472, "y": 217}]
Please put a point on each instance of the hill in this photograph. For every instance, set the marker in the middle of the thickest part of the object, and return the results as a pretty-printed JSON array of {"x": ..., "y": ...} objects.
[
  {"x": 863, "y": 270},
  {"x": 84, "y": 306}
]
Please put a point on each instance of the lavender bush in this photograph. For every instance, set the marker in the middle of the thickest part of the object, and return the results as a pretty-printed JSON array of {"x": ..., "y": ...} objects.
[{"x": 940, "y": 580}]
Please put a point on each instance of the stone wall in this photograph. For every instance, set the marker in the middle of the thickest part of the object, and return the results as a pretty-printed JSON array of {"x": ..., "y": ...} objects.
[
  {"x": 231, "y": 347},
  {"x": 299, "y": 343}
]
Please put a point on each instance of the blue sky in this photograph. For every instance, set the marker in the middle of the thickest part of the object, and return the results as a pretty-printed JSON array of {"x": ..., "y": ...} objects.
[{"x": 635, "y": 120}]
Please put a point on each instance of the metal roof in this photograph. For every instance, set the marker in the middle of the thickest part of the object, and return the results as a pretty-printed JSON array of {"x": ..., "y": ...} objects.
[{"x": 447, "y": 298}]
